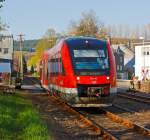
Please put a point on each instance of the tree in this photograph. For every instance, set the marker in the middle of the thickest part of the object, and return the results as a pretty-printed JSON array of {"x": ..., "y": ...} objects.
[
  {"x": 2, "y": 26},
  {"x": 103, "y": 32},
  {"x": 148, "y": 28},
  {"x": 48, "y": 41},
  {"x": 88, "y": 25},
  {"x": 32, "y": 69},
  {"x": 1, "y": 1},
  {"x": 50, "y": 33}
]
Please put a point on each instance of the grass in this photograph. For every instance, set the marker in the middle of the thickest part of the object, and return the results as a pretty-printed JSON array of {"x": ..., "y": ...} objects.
[{"x": 19, "y": 120}]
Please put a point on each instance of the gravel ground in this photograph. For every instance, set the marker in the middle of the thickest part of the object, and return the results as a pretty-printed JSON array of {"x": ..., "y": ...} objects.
[
  {"x": 116, "y": 129},
  {"x": 62, "y": 125},
  {"x": 141, "y": 113}
]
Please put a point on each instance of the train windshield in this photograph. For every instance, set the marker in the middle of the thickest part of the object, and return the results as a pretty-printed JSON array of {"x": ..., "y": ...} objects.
[{"x": 91, "y": 61}]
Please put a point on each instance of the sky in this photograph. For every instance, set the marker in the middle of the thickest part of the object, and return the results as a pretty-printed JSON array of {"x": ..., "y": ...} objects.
[{"x": 33, "y": 17}]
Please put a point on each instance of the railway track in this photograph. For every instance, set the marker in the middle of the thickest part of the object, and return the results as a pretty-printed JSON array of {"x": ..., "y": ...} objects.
[
  {"x": 108, "y": 125},
  {"x": 135, "y": 97},
  {"x": 122, "y": 119},
  {"x": 104, "y": 123},
  {"x": 87, "y": 123},
  {"x": 116, "y": 125}
]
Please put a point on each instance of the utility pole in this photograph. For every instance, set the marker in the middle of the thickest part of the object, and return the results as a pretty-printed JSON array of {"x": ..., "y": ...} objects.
[{"x": 21, "y": 55}]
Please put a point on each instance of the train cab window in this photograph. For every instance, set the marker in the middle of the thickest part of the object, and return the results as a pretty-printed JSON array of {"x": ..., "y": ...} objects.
[{"x": 90, "y": 61}]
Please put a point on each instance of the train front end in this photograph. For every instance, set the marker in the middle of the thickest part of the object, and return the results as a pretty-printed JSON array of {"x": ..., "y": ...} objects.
[{"x": 94, "y": 73}]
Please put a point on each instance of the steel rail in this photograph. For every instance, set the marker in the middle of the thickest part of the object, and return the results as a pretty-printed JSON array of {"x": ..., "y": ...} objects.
[
  {"x": 127, "y": 123},
  {"x": 101, "y": 132},
  {"x": 135, "y": 97}
]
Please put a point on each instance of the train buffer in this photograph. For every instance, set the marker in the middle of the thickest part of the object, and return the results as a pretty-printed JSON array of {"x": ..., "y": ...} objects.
[{"x": 7, "y": 89}]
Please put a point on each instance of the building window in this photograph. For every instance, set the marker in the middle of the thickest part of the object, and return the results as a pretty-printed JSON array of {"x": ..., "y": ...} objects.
[
  {"x": 5, "y": 50},
  {"x": 120, "y": 68},
  {"x": 146, "y": 51},
  {"x": 117, "y": 67},
  {"x": 121, "y": 59}
]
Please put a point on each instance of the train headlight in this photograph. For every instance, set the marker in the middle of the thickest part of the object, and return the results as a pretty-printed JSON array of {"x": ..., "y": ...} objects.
[
  {"x": 107, "y": 77},
  {"x": 78, "y": 78}
]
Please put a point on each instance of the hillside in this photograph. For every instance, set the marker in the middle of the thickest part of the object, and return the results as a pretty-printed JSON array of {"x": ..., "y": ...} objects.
[{"x": 28, "y": 45}]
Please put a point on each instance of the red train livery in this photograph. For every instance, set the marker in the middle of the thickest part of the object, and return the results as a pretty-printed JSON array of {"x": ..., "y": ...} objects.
[{"x": 81, "y": 70}]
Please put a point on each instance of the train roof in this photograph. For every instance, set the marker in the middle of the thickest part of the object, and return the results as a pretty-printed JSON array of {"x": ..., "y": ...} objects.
[
  {"x": 75, "y": 41},
  {"x": 81, "y": 37},
  {"x": 81, "y": 40}
]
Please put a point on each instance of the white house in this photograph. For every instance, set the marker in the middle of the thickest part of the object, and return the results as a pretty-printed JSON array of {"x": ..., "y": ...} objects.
[
  {"x": 6, "y": 52},
  {"x": 6, "y": 47},
  {"x": 142, "y": 60}
]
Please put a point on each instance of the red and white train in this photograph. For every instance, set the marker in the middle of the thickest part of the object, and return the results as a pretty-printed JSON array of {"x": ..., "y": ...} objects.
[{"x": 81, "y": 70}]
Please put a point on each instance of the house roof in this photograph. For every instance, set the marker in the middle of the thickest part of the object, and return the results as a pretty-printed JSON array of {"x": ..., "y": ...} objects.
[{"x": 130, "y": 65}]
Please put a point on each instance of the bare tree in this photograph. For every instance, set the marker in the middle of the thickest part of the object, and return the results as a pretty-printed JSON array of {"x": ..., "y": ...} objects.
[
  {"x": 1, "y": 1},
  {"x": 126, "y": 31},
  {"x": 2, "y": 26},
  {"x": 50, "y": 33},
  {"x": 88, "y": 25},
  {"x": 148, "y": 28}
]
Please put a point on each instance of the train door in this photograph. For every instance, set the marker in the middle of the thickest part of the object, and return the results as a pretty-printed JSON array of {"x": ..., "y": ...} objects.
[
  {"x": 43, "y": 66},
  {"x": 41, "y": 72},
  {"x": 46, "y": 73},
  {"x": 49, "y": 72}
]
